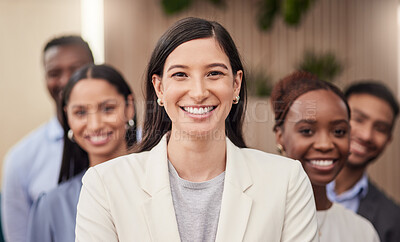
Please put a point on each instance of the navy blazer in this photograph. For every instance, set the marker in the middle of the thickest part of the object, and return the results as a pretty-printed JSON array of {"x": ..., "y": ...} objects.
[{"x": 382, "y": 212}]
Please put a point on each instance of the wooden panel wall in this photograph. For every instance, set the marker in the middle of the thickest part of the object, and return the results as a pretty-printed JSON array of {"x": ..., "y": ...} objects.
[
  {"x": 362, "y": 33},
  {"x": 25, "y": 27}
]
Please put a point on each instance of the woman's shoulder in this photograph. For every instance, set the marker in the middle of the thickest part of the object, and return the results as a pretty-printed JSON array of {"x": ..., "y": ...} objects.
[
  {"x": 123, "y": 163},
  {"x": 64, "y": 194},
  {"x": 269, "y": 160},
  {"x": 134, "y": 166},
  {"x": 265, "y": 166},
  {"x": 135, "y": 161}
]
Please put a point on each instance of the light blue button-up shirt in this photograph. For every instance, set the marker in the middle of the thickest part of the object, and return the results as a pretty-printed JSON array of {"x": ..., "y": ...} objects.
[
  {"x": 30, "y": 168},
  {"x": 350, "y": 199}
]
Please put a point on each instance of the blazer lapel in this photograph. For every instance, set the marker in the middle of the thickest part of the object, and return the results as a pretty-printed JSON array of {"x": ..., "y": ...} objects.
[
  {"x": 367, "y": 207},
  {"x": 236, "y": 205},
  {"x": 159, "y": 209}
]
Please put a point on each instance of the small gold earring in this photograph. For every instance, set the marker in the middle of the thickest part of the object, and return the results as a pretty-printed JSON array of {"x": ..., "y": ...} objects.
[
  {"x": 236, "y": 101},
  {"x": 280, "y": 149}
]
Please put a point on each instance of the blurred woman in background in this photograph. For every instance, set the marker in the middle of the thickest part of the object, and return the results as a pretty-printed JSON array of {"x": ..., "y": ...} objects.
[
  {"x": 99, "y": 125},
  {"x": 312, "y": 126}
]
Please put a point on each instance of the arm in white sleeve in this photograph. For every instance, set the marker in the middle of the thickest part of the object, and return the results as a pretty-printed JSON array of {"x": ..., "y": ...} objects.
[{"x": 300, "y": 215}]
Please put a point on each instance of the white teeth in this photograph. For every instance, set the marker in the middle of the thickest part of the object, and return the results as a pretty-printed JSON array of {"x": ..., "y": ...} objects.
[
  {"x": 198, "y": 111},
  {"x": 357, "y": 147},
  {"x": 321, "y": 162},
  {"x": 98, "y": 138}
]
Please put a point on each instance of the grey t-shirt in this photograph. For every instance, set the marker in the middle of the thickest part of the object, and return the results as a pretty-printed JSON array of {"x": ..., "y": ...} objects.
[{"x": 197, "y": 206}]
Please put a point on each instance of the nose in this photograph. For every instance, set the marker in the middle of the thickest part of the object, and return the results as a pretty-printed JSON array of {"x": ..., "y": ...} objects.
[
  {"x": 94, "y": 122},
  {"x": 64, "y": 78},
  {"x": 199, "y": 90},
  {"x": 323, "y": 143},
  {"x": 364, "y": 132}
]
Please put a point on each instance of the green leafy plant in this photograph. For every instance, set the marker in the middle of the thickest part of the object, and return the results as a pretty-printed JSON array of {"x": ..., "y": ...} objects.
[
  {"x": 171, "y": 7},
  {"x": 259, "y": 83},
  {"x": 292, "y": 12},
  {"x": 174, "y": 6},
  {"x": 268, "y": 10},
  {"x": 325, "y": 65}
]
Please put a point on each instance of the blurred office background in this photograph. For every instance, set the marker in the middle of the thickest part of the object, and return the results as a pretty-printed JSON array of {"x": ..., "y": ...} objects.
[{"x": 350, "y": 39}]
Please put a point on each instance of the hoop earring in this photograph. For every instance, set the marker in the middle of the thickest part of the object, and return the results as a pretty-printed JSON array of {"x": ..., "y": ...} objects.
[
  {"x": 160, "y": 103},
  {"x": 236, "y": 101},
  {"x": 280, "y": 149},
  {"x": 70, "y": 135}
]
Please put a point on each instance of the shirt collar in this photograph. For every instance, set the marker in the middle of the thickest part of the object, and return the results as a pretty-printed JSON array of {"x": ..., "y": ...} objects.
[
  {"x": 55, "y": 130},
  {"x": 359, "y": 190}
]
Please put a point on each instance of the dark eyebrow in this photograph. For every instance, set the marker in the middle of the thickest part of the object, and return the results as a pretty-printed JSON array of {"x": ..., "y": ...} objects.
[
  {"x": 77, "y": 106},
  {"x": 208, "y": 66},
  {"x": 307, "y": 121},
  {"x": 109, "y": 100},
  {"x": 365, "y": 116},
  {"x": 359, "y": 112},
  {"x": 113, "y": 101},
  {"x": 176, "y": 66},
  {"x": 339, "y": 121},
  {"x": 217, "y": 65}
]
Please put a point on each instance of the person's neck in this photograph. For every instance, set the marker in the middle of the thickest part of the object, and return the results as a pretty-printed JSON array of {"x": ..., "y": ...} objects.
[
  {"x": 321, "y": 199},
  {"x": 347, "y": 178},
  {"x": 197, "y": 158},
  {"x": 98, "y": 159}
]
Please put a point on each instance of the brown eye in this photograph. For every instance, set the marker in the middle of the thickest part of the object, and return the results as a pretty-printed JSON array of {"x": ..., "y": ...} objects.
[
  {"x": 80, "y": 113},
  {"x": 179, "y": 74},
  {"x": 53, "y": 74},
  {"x": 340, "y": 132},
  {"x": 108, "y": 109},
  {"x": 357, "y": 119},
  {"x": 214, "y": 73},
  {"x": 382, "y": 128},
  {"x": 306, "y": 132}
]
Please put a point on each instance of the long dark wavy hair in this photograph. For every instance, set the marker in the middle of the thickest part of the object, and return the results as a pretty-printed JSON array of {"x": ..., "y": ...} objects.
[
  {"x": 75, "y": 159},
  {"x": 157, "y": 122}
]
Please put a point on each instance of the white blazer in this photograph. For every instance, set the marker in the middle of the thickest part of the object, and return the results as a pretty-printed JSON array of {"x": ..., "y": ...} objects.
[{"x": 266, "y": 198}]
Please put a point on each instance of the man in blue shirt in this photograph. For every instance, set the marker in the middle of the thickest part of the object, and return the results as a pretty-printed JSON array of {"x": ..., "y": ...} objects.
[
  {"x": 33, "y": 165},
  {"x": 373, "y": 114}
]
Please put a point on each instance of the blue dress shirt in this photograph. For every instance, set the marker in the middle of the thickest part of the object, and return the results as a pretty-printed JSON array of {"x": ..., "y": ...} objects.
[
  {"x": 30, "y": 168},
  {"x": 53, "y": 215},
  {"x": 350, "y": 199}
]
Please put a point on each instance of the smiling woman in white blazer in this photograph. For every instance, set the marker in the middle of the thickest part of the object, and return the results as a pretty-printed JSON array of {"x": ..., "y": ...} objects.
[{"x": 192, "y": 177}]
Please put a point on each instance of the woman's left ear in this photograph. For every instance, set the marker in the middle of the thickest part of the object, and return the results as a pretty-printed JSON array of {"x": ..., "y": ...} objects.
[
  {"x": 278, "y": 135},
  {"x": 158, "y": 88},
  {"x": 237, "y": 83},
  {"x": 130, "y": 108}
]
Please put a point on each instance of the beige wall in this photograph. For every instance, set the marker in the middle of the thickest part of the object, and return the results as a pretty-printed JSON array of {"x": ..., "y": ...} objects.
[
  {"x": 363, "y": 34},
  {"x": 26, "y": 26}
]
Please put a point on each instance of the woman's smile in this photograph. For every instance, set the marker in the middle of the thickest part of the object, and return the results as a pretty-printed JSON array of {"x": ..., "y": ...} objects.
[{"x": 99, "y": 139}]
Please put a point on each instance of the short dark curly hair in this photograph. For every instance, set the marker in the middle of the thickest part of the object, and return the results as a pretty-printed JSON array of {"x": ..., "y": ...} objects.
[
  {"x": 377, "y": 89},
  {"x": 69, "y": 40},
  {"x": 287, "y": 90}
]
